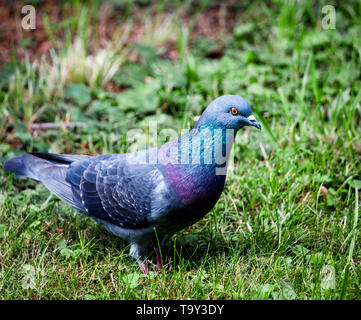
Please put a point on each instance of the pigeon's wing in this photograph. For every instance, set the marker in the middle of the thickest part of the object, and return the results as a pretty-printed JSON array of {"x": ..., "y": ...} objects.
[{"x": 126, "y": 194}]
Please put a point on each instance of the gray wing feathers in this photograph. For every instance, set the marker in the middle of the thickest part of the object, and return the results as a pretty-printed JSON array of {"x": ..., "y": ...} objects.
[
  {"x": 107, "y": 187},
  {"x": 119, "y": 192}
]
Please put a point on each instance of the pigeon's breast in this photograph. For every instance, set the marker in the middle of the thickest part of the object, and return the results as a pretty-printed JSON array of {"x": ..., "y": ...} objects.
[
  {"x": 197, "y": 189},
  {"x": 194, "y": 184}
]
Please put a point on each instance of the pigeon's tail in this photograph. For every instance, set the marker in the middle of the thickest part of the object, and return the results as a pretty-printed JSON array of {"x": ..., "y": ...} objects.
[
  {"x": 26, "y": 165},
  {"x": 48, "y": 168}
]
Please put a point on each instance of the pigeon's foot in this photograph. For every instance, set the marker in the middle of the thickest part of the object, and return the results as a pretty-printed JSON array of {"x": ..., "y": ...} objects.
[{"x": 144, "y": 269}]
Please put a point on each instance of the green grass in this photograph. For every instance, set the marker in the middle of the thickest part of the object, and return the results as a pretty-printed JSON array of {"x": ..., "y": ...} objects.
[{"x": 275, "y": 233}]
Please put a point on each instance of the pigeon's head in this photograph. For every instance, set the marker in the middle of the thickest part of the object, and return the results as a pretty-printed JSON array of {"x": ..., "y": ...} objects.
[{"x": 228, "y": 112}]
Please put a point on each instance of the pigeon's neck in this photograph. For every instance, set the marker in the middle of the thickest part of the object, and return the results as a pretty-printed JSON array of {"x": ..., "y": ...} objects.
[
  {"x": 210, "y": 145},
  {"x": 196, "y": 164}
]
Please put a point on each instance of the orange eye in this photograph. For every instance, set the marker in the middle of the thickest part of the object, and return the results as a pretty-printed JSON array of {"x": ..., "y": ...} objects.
[{"x": 234, "y": 111}]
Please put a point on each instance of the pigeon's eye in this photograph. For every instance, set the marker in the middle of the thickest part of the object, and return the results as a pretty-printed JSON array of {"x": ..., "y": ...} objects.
[{"x": 234, "y": 111}]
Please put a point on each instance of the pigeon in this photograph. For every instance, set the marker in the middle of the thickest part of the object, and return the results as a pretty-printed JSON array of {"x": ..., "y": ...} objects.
[{"x": 146, "y": 196}]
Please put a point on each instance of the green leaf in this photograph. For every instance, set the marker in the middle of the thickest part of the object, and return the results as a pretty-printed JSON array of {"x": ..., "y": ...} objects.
[
  {"x": 78, "y": 93},
  {"x": 263, "y": 291},
  {"x": 132, "y": 280},
  {"x": 243, "y": 29},
  {"x": 61, "y": 244},
  {"x": 355, "y": 183},
  {"x": 147, "y": 52},
  {"x": 143, "y": 99},
  {"x": 287, "y": 292},
  {"x": 132, "y": 75},
  {"x": 67, "y": 253}
]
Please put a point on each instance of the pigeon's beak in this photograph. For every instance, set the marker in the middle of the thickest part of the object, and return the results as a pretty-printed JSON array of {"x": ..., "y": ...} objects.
[{"x": 253, "y": 122}]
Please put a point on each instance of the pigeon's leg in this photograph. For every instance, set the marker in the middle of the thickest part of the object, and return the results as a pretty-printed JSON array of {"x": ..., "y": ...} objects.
[
  {"x": 157, "y": 248},
  {"x": 137, "y": 252},
  {"x": 159, "y": 260}
]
